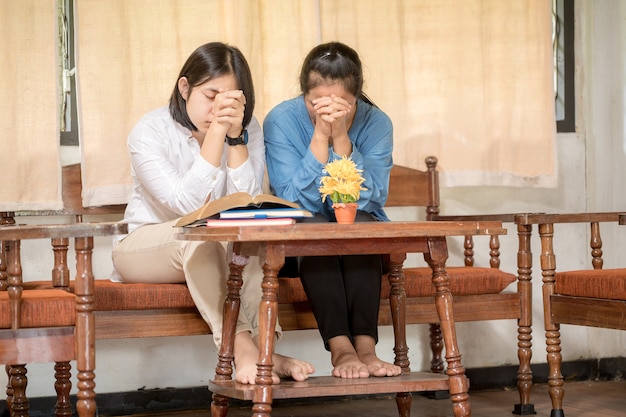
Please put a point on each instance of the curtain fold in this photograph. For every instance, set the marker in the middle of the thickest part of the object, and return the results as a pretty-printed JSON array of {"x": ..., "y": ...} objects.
[
  {"x": 469, "y": 81},
  {"x": 30, "y": 167}
]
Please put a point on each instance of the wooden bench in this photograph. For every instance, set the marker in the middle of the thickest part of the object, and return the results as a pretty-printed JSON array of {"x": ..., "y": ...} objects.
[{"x": 125, "y": 310}]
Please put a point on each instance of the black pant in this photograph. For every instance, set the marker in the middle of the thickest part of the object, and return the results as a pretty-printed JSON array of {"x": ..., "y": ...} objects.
[{"x": 344, "y": 291}]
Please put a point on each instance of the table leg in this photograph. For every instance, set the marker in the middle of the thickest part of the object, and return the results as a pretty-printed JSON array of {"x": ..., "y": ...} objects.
[
  {"x": 224, "y": 368},
  {"x": 524, "y": 324},
  {"x": 436, "y": 259},
  {"x": 397, "y": 301},
  {"x": 273, "y": 260}
]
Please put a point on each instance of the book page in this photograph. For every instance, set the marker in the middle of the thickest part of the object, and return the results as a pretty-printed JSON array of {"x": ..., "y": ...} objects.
[{"x": 234, "y": 200}]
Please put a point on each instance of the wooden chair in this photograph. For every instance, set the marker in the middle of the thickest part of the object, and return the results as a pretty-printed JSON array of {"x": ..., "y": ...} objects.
[
  {"x": 49, "y": 325},
  {"x": 479, "y": 292},
  {"x": 593, "y": 297}
]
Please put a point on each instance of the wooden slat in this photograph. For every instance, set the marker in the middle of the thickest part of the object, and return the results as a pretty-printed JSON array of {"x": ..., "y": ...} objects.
[
  {"x": 149, "y": 323},
  {"x": 567, "y": 218},
  {"x": 32, "y": 231},
  {"x": 419, "y": 310},
  {"x": 324, "y": 386},
  {"x": 298, "y": 316},
  {"x": 49, "y": 344},
  {"x": 593, "y": 312}
]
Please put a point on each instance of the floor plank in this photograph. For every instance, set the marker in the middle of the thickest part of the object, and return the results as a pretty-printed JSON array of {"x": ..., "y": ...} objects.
[{"x": 582, "y": 399}]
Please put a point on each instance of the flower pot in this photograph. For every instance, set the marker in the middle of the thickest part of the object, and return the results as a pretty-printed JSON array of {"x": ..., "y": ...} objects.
[{"x": 345, "y": 213}]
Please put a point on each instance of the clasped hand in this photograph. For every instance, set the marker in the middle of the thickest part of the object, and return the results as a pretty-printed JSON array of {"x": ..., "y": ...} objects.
[
  {"x": 331, "y": 115},
  {"x": 228, "y": 111}
]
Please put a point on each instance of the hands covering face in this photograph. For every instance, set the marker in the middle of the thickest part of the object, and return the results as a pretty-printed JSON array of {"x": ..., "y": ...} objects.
[
  {"x": 331, "y": 115},
  {"x": 228, "y": 111}
]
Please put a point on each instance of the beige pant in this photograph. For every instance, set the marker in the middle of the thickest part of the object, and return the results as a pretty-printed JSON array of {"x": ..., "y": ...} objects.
[{"x": 152, "y": 254}]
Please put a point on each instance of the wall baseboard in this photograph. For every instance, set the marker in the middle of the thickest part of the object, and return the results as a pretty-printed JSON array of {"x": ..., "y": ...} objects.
[{"x": 197, "y": 398}]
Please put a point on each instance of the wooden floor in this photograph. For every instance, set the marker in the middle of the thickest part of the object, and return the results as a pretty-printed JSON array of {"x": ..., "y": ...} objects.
[{"x": 582, "y": 399}]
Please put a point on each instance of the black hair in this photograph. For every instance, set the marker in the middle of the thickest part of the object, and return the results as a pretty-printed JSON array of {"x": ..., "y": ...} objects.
[
  {"x": 209, "y": 61},
  {"x": 333, "y": 61}
]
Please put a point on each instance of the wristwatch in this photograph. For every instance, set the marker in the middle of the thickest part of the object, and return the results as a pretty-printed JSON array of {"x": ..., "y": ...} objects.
[{"x": 240, "y": 140}]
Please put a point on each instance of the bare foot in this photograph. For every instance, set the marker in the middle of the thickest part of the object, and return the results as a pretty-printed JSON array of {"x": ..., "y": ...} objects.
[
  {"x": 246, "y": 357},
  {"x": 285, "y": 367},
  {"x": 365, "y": 347},
  {"x": 345, "y": 360},
  {"x": 377, "y": 367}
]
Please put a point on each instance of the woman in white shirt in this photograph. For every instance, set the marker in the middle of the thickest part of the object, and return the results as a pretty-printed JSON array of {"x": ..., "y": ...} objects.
[{"x": 206, "y": 144}]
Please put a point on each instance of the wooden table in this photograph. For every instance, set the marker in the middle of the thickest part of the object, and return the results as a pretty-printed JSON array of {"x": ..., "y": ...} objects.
[{"x": 273, "y": 244}]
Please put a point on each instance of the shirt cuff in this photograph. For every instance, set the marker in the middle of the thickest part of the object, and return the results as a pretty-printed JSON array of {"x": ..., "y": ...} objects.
[{"x": 204, "y": 172}]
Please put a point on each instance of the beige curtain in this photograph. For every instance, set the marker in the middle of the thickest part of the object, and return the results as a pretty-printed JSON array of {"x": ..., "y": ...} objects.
[
  {"x": 29, "y": 128},
  {"x": 469, "y": 81},
  {"x": 129, "y": 54}
]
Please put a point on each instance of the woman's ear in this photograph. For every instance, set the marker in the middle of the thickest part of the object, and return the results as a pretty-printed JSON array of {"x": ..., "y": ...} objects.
[{"x": 183, "y": 87}]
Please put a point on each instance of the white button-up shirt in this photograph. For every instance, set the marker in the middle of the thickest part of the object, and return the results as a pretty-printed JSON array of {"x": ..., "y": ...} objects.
[{"x": 171, "y": 179}]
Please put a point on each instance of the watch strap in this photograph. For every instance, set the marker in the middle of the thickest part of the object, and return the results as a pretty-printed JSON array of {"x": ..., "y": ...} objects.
[{"x": 239, "y": 140}]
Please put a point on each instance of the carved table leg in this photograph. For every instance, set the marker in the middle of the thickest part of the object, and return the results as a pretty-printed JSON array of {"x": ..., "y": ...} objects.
[
  {"x": 224, "y": 368},
  {"x": 397, "y": 301},
  {"x": 273, "y": 259},
  {"x": 436, "y": 258},
  {"x": 524, "y": 328},
  {"x": 553, "y": 334}
]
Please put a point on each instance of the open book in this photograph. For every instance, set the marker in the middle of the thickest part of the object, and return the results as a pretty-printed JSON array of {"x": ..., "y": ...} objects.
[{"x": 262, "y": 204}]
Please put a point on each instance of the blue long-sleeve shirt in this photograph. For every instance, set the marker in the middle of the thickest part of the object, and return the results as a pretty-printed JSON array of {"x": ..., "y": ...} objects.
[{"x": 295, "y": 174}]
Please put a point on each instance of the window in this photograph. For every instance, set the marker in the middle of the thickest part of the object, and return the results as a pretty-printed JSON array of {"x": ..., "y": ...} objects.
[
  {"x": 563, "y": 45},
  {"x": 67, "y": 80}
]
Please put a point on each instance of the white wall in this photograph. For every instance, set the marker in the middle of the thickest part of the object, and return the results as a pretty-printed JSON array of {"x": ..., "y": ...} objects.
[{"x": 591, "y": 170}]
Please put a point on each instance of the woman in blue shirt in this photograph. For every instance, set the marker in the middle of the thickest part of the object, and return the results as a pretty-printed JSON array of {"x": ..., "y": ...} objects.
[{"x": 333, "y": 118}]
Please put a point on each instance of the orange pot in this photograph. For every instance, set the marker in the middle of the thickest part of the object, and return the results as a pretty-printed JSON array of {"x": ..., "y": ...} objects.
[{"x": 345, "y": 213}]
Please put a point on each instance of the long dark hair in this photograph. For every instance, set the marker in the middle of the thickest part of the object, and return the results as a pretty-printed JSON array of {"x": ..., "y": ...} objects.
[
  {"x": 208, "y": 61},
  {"x": 333, "y": 61}
]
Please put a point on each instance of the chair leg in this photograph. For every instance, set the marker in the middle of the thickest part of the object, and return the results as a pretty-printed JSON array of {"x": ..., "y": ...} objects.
[
  {"x": 436, "y": 362},
  {"x": 436, "y": 347},
  {"x": 9, "y": 389},
  {"x": 524, "y": 324},
  {"x": 397, "y": 302},
  {"x": 555, "y": 378},
  {"x": 18, "y": 382},
  {"x": 524, "y": 373},
  {"x": 219, "y": 406},
  {"x": 63, "y": 386}
]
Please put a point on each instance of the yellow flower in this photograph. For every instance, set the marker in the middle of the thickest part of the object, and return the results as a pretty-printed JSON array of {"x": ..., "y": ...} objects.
[{"x": 343, "y": 182}]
